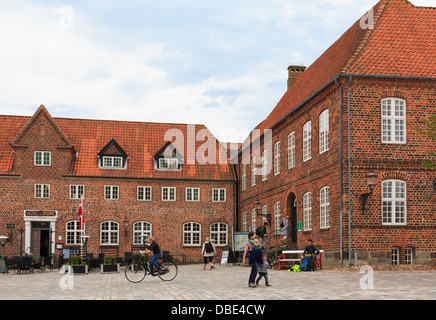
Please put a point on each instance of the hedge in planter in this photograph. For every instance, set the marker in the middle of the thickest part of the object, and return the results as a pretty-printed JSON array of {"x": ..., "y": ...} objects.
[
  {"x": 76, "y": 264},
  {"x": 109, "y": 265}
]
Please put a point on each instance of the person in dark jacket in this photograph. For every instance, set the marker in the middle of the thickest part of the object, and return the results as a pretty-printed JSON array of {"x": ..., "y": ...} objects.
[{"x": 310, "y": 249}]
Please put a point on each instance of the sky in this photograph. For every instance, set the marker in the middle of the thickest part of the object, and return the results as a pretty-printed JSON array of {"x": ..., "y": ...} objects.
[{"x": 219, "y": 63}]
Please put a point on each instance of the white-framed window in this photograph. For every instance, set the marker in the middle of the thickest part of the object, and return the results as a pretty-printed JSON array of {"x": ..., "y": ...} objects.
[
  {"x": 218, "y": 232},
  {"x": 394, "y": 203},
  {"x": 264, "y": 213},
  {"x": 307, "y": 211},
  {"x": 144, "y": 193},
  {"x": 253, "y": 171},
  {"x": 42, "y": 191},
  {"x": 244, "y": 222},
  {"x": 73, "y": 233},
  {"x": 244, "y": 177},
  {"x": 291, "y": 150},
  {"x": 42, "y": 158},
  {"x": 277, "y": 158},
  {"x": 109, "y": 233},
  {"x": 192, "y": 194},
  {"x": 77, "y": 191},
  {"x": 264, "y": 165},
  {"x": 191, "y": 234},
  {"x": 277, "y": 217},
  {"x": 324, "y": 204},
  {"x": 141, "y": 228},
  {"x": 112, "y": 162},
  {"x": 168, "y": 194},
  {"x": 395, "y": 256},
  {"x": 253, "y": 220},
  {"x": 111, "y": 192},
  {"x": 307, "y": 141},
  {"x": 408, "y": 258},
  {"x": 393, "y": 114},
  {"x": 219, "y": 195},
  {"x": 324, "y": 131},
  {"x": 169, "y": 163}
]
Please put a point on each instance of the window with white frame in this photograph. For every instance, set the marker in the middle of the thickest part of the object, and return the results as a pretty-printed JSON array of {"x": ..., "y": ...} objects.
[
  {"x": 42, "y": 191},
  {"x": 168, "y": 194},
  {"x": 307, "y": 211},
  {"x": 144, "y": 193},
  {"x": 264, "y": 165},
  {"x": 253, "y": 171},
  {"x": 192, "y": 194},
  {"x": 253, "y": 219},
  {"x": 109, "y": 233},
  {"x": 408, "y": 258},
  {"x": 393, "y": 120},
  {"x": 264, "y": 213},
  {"x": 394, "y": 202},
  {"x": 395, "y": 253},
  {"x": 324, "y": 131},
  {"x": 244, "y": 177},
  {"x": 191, "y": 234},
  {"x": 218, "y": 232},
  {"x": 111, "y": 192},
  {"x": 291, "y": 150},
  {"x": 324, "y": 199},
  {"x": 277, "y": 158},
  {"x": 77, "y": 191},
  {"x": 169, "y": 163},
  {"x": 112, "y": 162},
  {"x": 42, "y": 158},
  {"x": 73, "y": 233},
  {"x": 244, "y": 222},
  {"x": 307, "y": 141},
  {"x": 141, "y": 229},
  {"x": 219, "y": 195},
  {"x": 277, "y": 217}
]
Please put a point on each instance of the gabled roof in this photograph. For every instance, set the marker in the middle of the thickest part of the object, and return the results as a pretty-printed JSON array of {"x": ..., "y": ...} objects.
[
  {"x": 113, "y": 149},
  {"x": 402, "y": 43},
  {"x": 173, "y": 150}
]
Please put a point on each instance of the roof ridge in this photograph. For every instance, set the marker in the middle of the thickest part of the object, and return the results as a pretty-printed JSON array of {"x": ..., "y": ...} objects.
[{"x": 382, "y": 4}]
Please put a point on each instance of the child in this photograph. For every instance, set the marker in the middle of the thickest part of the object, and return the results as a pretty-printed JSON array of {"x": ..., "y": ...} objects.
[{"x": 263, "y": 271}]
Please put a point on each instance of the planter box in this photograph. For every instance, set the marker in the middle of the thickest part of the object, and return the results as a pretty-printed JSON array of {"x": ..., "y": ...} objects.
[
  {"x": 74, "y": 269},
  {"x": 110, "y": 268}
]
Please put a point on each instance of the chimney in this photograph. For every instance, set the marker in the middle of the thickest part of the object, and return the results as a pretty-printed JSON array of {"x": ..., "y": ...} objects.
[{"x": 293, "y": 73}]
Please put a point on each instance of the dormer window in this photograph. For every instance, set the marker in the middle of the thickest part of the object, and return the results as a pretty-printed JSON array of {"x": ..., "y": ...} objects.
[
  {"x": 112, "y": 156},
  {"x": 168, "y": 158}
]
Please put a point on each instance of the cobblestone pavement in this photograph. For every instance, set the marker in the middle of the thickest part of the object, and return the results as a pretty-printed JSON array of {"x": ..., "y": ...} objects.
[{"x": 222, "y": 283}]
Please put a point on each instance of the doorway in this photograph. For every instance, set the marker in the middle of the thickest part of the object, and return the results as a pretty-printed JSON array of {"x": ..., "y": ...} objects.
[
  {"x": 40, "y": 242},
  {"x": 292, "y": 211}
]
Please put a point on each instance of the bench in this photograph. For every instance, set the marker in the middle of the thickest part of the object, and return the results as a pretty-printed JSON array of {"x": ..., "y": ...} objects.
[{"x": 282, "y": 258}]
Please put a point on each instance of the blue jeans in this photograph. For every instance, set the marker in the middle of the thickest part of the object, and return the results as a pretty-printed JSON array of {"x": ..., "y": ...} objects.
[
  {"x": 253, "y": 274},
  {"x": 153, "y": 262},
  {"x": 262, "y": 274}
]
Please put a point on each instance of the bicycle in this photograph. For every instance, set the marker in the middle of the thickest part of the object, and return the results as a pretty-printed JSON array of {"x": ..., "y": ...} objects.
[{"x": 136, "y": 271}]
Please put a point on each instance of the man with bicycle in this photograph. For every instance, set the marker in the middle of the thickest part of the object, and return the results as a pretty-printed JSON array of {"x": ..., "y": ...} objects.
[{"x": 154, "y": 248}]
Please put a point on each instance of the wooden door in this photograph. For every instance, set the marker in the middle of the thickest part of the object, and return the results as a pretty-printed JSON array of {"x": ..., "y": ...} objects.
[{"x": 36, "y": 239}]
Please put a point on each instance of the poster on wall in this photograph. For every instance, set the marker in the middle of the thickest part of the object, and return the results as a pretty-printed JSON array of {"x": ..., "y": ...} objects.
[{"x": 239, "y": 240}]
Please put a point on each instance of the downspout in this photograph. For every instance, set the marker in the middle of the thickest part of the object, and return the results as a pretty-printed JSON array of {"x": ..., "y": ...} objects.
[
  {"x": 341, "y": 188},
  {"x": 349, "y": 173}
]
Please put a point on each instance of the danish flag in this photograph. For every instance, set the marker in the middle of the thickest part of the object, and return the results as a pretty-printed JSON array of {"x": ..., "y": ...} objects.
[{"x": 80, "y": 214}]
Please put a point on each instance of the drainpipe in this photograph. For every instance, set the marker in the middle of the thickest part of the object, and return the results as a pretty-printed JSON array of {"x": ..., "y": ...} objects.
[
  {"x": 341, "y": 174},
  {"x": 349, "y": 173}
]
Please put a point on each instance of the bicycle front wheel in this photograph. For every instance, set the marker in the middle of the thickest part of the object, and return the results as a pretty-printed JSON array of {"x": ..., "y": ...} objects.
[
  {"x": 169, "y": 271},
  {"x": 135, "y": 272}
]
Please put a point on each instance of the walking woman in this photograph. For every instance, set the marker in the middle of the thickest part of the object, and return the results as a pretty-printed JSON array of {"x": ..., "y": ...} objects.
[{"x": 252, "y": 247}]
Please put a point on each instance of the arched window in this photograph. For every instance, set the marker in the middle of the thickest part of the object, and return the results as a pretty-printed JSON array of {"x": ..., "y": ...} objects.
[
  {"x": 253, "y": 220},
  {"x": 277, "y": 158},
  {"x": 324, "y": 131},
  {"x": 218, "y": 232},
  {"x": 291, "y": 150},
  {"x": 73, "y": 233},
  {"x": 324, "y": 205},
  {"x": 307, "y": 211},
  {"x": 394, "y": 202},
  {"x": 191, "y": 234},
  {"x": 307, "y": 141},
  {"x": 141, "y": 228},
  {"x": 109, "y": 233},
  {"x": 393, "y": 113},
  {"x": 244, "y": 222},
  {"x": 277, "y": 217}
]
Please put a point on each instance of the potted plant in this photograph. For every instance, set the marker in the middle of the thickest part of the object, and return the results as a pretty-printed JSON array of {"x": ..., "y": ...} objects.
[
  {"x": 76, "y": 264},
  {"x": 109, "y": 265}
]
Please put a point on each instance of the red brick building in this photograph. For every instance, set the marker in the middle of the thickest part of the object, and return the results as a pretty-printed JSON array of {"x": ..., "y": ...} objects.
[
  {"x": 133, "y": 177},
  {"x": 354, "y": 111}
]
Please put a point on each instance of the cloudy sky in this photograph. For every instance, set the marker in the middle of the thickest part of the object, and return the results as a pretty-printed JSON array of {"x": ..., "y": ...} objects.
[{"x": 219, "y": 63}]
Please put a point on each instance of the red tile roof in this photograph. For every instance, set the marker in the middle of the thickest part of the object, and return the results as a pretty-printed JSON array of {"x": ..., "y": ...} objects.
[
  {"x": 402, "y": 43},
  {"x": 140, "y": 140}
]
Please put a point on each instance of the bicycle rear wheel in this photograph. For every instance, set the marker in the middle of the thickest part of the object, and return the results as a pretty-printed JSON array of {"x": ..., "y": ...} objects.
[
  {"x": 169, "y": 271},
  {"x": 135, "y": 272}
]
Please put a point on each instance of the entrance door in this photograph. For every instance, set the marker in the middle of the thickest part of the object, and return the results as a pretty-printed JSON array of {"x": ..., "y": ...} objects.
[
  {"x": 292, "y": 211},
  {"x": 36, "y": 242}
]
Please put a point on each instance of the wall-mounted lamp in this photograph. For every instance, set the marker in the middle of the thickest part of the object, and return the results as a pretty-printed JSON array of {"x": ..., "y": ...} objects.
[
  {"x": 371, "y": 181},
  {"x": 258, "y": 205},
  {"x": 126, "y": 225}
]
